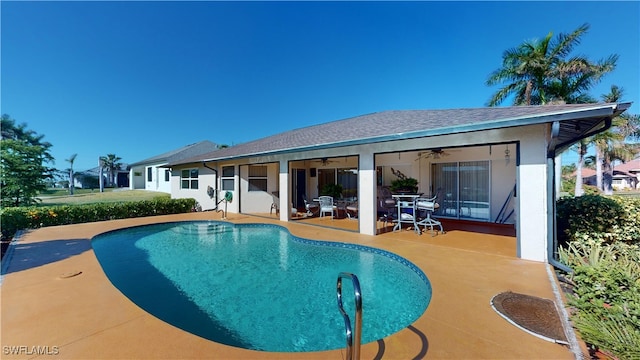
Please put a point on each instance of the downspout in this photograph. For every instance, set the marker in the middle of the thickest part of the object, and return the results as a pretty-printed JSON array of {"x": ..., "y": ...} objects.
[
  {"x": 552, "y": 244},
  {"x": 214, "y": 187},
  {"x": 552, "y": 238}
]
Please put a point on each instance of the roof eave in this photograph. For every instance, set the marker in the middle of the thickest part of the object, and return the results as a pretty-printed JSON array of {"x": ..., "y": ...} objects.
[{"x": 566, "y": 115}]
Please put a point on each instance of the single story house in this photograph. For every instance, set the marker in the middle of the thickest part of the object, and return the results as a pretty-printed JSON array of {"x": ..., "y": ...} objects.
[
  {"x": 625, "y": 176},
  {"x": 90, "y": 179},
  {"x": 479, "y": 161},
  {"x": 631, "y": 179},
  {"x": 148, "y": 174}
]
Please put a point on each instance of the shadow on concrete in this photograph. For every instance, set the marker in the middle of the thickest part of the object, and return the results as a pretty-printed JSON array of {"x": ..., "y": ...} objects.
[
  {"x": 24, "y": 256},
  {"x": 422, "y": 353}
]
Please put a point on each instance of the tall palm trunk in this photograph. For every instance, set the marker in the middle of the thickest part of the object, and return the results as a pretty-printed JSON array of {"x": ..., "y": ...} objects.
[
  {"x": 582, "y": 150},
  {"x": 71, "y": 182},
  {"x": 607, "y": 181},
  {"x": 599, "y": 159}
]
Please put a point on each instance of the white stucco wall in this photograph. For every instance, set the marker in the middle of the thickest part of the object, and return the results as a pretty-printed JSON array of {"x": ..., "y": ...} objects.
[
  {"x": 206, "y": 177},
  {"x": 258, "y": 201},
  {"x": 136, "y": 181},
  {"x": 157, "y": 183},
  {"x": 532, "y": 196}
]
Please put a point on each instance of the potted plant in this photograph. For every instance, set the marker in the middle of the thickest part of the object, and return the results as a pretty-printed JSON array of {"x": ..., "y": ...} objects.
[
  {"x": 333, "y": 190},
  {"x": 405, "y": 185}
]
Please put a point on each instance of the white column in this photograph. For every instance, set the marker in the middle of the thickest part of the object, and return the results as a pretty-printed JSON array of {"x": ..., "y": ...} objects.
[
  {"x": 532, "y": 201},
  {"x": 367, "y": 194},
  {"x": 285, "y": 203}
]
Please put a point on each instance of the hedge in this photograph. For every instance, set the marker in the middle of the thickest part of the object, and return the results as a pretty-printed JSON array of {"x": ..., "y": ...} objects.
[
  {"x": 598, "y": 219},
  {"x": 18, "y": 218}
]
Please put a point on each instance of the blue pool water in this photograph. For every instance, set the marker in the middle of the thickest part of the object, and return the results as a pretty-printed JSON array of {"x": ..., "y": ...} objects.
[{"x": 258, "y": 287}]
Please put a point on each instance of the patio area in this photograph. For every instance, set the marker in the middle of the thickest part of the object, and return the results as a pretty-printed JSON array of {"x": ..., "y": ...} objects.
[{"x": 55, "y": 296}]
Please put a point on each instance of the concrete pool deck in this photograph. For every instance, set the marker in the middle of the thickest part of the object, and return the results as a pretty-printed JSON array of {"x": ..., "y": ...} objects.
[{"x": 57, "y": 302}]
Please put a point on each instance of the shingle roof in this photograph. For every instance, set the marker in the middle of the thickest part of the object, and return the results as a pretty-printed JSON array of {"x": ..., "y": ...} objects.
[
  {"x": 404, "y": 124},
  {"x": 185, "y": 152},
  {"x": 629, "y": 166}
]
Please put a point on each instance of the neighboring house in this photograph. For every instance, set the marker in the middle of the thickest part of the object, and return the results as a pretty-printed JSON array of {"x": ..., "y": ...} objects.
[
  {"x": 89, "y": 179},
  {"x": 149, "y": 174},
  {"x": 473, "y": 159},
  {"x": 625, "y": 176},
  {"x": 631, "y": 178}
]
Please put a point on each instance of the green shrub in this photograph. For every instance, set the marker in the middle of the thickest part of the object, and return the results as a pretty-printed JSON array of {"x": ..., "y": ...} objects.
[
  {"x": 17, "y": 218},
  {"x": 606, "y": 295},
  {"x": 600, "y": 219}
]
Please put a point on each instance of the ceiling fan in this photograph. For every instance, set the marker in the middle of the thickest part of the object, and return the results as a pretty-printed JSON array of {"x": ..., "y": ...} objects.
[
  {"x": 433, "y": 154},
  {"x": 324, "y": 161}
]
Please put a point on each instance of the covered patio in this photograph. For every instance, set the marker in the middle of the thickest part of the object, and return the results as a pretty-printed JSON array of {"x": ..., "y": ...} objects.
[
  {"x": 86, "y": 317},
  {"x": 493, "y": 165}
]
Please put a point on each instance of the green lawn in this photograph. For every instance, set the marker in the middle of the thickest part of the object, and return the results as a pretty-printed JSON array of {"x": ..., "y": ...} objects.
[{"x": 86, "y": 196}]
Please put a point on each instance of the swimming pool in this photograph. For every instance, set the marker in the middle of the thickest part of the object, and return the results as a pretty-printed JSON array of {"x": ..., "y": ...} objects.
[{"x": 256, "y": 286}]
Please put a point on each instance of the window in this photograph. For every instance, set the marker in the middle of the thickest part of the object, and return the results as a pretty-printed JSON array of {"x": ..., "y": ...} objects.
[
  {"x": 189, "y": 179},
  {"x": 463, "y": 188},
  {"x": 326, "y": 177},
  {"x": 149, "y": 174},
  {"x": 167, "y": 175},
  {"x": 257, "y": 178},
  {"x": 228, "y": 172},
  {"x": 348, "y": 178}
]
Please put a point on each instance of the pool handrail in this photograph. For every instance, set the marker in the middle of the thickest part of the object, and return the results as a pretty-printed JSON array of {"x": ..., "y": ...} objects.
[{"x": 353, "y": 336}]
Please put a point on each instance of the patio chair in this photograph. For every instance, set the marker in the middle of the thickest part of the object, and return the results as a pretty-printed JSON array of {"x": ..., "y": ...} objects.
[
  {"x": 423, "y": 208},
  {"x": 387, "y": 210},
  {"x": 326, "y": 205},
  {"x": 311, "y": 208},
  {"x": 352, "y": 210}
]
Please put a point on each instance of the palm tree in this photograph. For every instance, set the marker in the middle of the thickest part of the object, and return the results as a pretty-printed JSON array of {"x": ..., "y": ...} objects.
[
  {"x": 611, "y": 145},
  {"x": 112, "y": 163},
  {"x": 581, "y": 148},
  {"x": 71, "y": 159},
  {"x": 603, "y": 140},
  {"x": 538, "y": 72}
]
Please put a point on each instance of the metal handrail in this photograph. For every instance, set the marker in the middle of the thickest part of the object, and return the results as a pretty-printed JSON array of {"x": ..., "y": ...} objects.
[{"x": 353, "y": 336}]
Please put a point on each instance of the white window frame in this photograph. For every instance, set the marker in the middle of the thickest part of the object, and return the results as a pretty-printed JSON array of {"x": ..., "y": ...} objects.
[{"x": 189, "y": 182}]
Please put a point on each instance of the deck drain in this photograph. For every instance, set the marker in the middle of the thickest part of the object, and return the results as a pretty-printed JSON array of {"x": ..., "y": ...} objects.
[
  {"x": 532, "y": 314},
  {"x": 70, "y": 274}
]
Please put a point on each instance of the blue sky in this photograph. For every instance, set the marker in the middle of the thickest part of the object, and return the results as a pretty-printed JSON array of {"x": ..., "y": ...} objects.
[{"x": 138, "y": 79}]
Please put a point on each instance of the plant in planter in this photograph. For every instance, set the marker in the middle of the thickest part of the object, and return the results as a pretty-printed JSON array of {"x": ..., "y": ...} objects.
[
  {"x": 333, "y": 190},
  {"x": 403, "y": 184}
]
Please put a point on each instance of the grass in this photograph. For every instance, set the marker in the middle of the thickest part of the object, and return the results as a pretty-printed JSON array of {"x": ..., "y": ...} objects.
[{"x": 82, "y": 196}]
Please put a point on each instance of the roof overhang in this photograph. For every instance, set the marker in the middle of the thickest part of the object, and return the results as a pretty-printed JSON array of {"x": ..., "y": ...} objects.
[
  {"x": 569, "y": 126},
  {"x": 567, "y": 132}
]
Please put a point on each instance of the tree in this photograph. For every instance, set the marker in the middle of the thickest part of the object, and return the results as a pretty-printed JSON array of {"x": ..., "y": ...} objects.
[
  {"x": 538, "y": 72},
  {"x": 71, "y": 159},
  {"x": 23, "y": 159},
  {"x": 581, "y": 148},
  {"x": 612, "y": 144},
  {"x": 112, "y": 163}
]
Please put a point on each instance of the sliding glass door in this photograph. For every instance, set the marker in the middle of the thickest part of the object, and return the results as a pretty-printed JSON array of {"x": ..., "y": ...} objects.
[{"x": 463, "y": 189}]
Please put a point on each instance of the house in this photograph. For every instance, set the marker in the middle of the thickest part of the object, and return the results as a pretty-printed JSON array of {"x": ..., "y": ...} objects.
[
  {"x": 630, "y": 178},
  {"x": 148, "y": 174},
  {"x": 626, "y": 176},
  {"x": 90, "y": 179},
  {"x": 482, "y": 163}
]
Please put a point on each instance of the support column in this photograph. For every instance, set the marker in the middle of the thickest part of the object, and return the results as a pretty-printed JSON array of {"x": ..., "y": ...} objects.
[
  {"x": 532, "y": 202},
  {"x": 367, "y": 193},
  {"x": 285, "y": 203}
]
